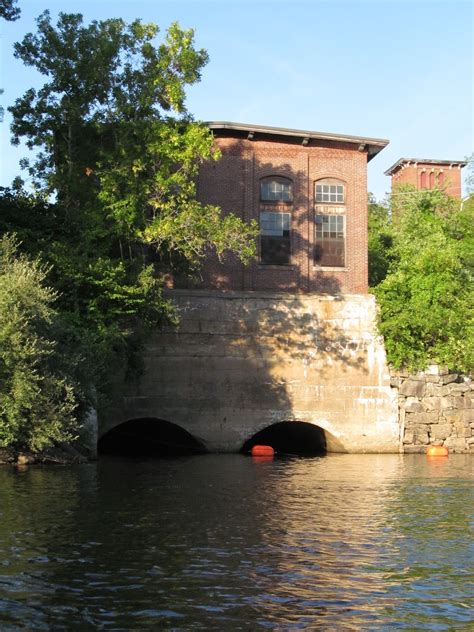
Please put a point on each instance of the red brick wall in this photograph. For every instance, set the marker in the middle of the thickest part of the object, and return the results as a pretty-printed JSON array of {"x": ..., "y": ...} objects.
[
  {"x": 412, "y": 175},
  {"x": 233, "y": 184}
]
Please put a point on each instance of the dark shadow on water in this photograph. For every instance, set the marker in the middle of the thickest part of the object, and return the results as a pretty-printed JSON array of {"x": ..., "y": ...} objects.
[
  {"x": 149, "y": 438},
  {"x": 290, "y": 437}
]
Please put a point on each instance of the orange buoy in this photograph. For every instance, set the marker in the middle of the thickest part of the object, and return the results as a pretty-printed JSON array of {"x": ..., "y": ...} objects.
[
  {"x": 262, "y": 450},
  {"x": 262, "y": 459},
  {"x": 437, "y": 450}
]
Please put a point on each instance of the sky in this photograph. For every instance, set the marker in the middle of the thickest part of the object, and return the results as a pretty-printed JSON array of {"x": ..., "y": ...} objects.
[{"x": 399, "y": 70}]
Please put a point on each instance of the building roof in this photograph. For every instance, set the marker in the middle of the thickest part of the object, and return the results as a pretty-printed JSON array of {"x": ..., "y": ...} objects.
[
  {"x": 424, "y": 161},
  {"x": 371, "y": 145}
]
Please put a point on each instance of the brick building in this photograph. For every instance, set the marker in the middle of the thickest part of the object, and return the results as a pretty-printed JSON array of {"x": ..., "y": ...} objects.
[
  {"x": 308, "y": 192},
  {"x": 423, "y": 173}
]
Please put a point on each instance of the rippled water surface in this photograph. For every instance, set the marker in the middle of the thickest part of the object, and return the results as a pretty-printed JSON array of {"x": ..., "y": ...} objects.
[{"x": 342, "y": 542}]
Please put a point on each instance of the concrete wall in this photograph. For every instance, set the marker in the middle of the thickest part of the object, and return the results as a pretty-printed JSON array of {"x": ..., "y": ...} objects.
[{"x": 243, "y": 361}]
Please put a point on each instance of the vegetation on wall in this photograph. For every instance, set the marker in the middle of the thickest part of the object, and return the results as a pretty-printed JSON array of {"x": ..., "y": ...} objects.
[
  {"x": 114, "y": 208},
  {"x": 426, "y": 296}
]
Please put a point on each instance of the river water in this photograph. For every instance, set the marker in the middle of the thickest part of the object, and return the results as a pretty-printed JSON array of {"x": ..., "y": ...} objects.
[{"x": 226, "y": 542}]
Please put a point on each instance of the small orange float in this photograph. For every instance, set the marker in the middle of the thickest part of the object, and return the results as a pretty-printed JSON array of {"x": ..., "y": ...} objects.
[
  {"x": 262, "y": 450},
  {"x": 437, "y": 450}
]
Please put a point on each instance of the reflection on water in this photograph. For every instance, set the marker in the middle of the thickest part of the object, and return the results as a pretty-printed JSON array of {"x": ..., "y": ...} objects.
[{"x": 343, "y": 542}]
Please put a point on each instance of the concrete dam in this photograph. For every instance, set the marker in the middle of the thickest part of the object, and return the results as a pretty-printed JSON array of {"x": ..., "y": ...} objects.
[{"x": 241, "y": 363}]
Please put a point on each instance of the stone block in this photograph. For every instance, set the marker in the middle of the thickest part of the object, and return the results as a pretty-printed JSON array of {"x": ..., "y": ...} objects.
[
  {"x": 440, "y": 431},
  {"x": 456, "y": 444},
  {"x": 467, "y": 415},
  {"x": 459, "y": 402},
  {"x": 468, "y": 401},
  {"x": 447, "y": 402},
  {"x": 459, "y": 388},
  {"x": 433, "y": 379},
  {"x": 413, "y": 405},
  {"x": 414, "y": 449},
  {"x": 395, "y": 381},
  {"x": 452, "y": 415},
  {"x": 436, "y": 390},
  {"x": 409, "y": 436},
  {"x": 431, "y": 403},
  {"x": 421, "y": 437},
  {"x": 447, "y": 379},
  {"x": 412, "y": 388},
  {"x": 430, "y": 417}
]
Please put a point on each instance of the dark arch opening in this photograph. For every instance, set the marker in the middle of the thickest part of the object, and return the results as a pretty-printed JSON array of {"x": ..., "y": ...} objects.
[
  {"x": 149, "y": 437},
  {"x": 290, "y": 437}
]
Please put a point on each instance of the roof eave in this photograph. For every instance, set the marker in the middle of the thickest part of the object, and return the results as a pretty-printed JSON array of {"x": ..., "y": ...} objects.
[
  {"x": 373, "y": 145},
  {"x": 423, "y": 161}
]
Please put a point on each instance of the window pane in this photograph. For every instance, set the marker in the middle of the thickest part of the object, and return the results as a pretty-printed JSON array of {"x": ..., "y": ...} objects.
[
  {"x": 275, "y": 238},
  {"x": 332, "y": 193},
  {"x": 275, "y": 190},
  {"x": 330, "y": 242}
]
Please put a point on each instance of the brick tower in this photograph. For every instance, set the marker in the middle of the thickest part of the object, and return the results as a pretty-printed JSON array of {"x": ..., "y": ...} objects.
[{"x": 428, "y": 174}]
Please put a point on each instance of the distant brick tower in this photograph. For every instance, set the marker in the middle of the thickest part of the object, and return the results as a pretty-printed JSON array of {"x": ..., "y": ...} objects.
[{"x": 428, "y": 174}]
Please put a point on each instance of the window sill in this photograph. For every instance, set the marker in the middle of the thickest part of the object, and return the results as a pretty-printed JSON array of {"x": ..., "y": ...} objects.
[{"x": 331, "y": 269}]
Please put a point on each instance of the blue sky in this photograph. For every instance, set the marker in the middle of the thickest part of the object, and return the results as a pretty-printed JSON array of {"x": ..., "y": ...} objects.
[{"x": 398, "y": 70}]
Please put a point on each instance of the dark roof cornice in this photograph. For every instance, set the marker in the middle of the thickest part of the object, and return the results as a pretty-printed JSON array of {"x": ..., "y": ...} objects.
[
  {"x": 424, "y": 161},
  {"x": 371, "y": 145}
]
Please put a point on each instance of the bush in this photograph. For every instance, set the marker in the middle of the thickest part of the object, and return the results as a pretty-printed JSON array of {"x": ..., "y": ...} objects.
[
  {"x": 37, "y": 401},
  {"x": 427, "y": 299}
]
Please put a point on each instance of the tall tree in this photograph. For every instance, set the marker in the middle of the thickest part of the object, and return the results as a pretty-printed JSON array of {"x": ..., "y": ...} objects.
[
  {"x": 8, "y": 10},
  {"x": 117, "y": 159},
  {"x": 108, "y": 145}
]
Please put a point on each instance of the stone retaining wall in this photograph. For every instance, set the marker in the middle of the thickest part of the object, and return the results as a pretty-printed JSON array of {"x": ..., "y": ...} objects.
[{"x": 435, "y": 408}]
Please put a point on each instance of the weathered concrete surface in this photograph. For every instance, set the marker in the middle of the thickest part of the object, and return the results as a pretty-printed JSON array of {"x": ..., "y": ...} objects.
[{"x": 240, "y": 362}]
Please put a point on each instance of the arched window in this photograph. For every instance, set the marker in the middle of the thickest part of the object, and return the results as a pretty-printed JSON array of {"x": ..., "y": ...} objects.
[
  {"x": 276, "y": 198},
  {"x": 330, "y": 223},
  {"x": 432, "y": 179},
  {"x": 423, "y": 180},
  {"x": 440, "y": 179},
  {"x": 276, "y": 189},
  {"x": 329, "y": 191}
]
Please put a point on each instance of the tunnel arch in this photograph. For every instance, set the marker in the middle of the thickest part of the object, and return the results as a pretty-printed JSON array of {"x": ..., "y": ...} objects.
[
  {"x": 291, "y": 437},
  {"x": 149, "y": 436}
]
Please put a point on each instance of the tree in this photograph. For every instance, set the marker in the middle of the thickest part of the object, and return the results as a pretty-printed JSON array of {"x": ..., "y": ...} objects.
[
  {"x": 37, "y": 401},
  {"x": 380, "y": 241},
  {"x": 8, "y": 10},
  {"x": 115, "y": 178},
  {"x": 427, "y": 299},
  {"x": 109, "y": 150}
]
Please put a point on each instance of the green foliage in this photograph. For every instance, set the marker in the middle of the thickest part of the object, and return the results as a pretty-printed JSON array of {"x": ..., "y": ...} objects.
[
  {"x": 427, "y": 299},
  {"x": 37, "y": 402},
  {"x": 380, "y": 241},
  {"x": 114, "y": 208},
  {"x": 109, "y": 149},
  {"x": 8, "y": 10}
]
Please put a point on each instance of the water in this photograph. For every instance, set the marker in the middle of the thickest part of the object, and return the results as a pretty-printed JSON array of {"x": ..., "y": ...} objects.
[{"x": 343, "y": 542}]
